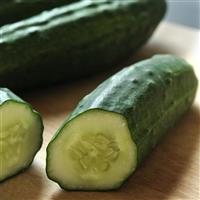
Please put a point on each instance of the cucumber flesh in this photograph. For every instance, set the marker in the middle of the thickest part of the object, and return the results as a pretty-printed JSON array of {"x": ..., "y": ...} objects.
[
  {"x": 94, "y": 151},
  {"x": 20, "y": 137}
]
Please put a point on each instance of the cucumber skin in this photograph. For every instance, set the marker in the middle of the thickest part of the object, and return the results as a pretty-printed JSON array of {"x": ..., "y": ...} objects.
[
  {"x": 43, "y": 57},
  {"x": 12, "y": 10},
  {"x": 142, "y": 93},
  {"x": 7, "y": 95}
]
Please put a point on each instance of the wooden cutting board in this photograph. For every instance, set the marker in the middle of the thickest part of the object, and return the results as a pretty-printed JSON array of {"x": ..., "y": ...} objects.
[{"x": 171, "y": 172}]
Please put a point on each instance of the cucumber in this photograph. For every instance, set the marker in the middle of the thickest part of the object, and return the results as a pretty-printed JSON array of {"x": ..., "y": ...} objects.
[
  {"x": 117, "y": 125},
  {"x": 75, "y": 40},
  {"x": 20, "y": 134},
  {"x": 15, "y": 10}
]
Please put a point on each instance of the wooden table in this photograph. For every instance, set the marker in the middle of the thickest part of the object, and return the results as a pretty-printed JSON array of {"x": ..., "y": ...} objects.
[{"x": 171, "y": 172}]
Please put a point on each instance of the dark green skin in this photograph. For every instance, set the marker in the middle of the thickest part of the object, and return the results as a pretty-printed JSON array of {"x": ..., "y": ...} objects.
[
  {"x": 7, "y": 95},
  {"x": 152, "y": 95},
  {"x": 91, "y": 41},
  {"x": 14, "y": 10}
]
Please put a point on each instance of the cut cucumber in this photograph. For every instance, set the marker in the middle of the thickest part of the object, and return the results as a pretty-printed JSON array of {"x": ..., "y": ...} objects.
[
  {"x": 118, "y": 124},
  {"x": 20, "y": 134},
  {"x": 95, "y": 151}
]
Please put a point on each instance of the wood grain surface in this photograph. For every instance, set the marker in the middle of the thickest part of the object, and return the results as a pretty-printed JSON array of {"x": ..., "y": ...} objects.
[{"x": 171, "y": 172}]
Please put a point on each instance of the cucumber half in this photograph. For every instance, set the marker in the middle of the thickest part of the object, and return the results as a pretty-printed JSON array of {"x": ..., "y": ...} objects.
[
  {"x": 94, "y": 151},
  {"x": 20, "y": 134},
  {"x": 114, "y": 128}
]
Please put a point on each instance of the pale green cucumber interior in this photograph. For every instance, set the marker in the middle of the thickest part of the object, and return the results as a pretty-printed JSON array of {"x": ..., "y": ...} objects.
[
  {"x": 20, "y": 137},
  {"x": 93, "y": 151}
]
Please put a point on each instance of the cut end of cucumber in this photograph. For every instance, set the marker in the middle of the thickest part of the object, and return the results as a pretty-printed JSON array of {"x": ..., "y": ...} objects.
[
  {"x": 93, "y": 151},
  {"x": 20, "y": 137}
]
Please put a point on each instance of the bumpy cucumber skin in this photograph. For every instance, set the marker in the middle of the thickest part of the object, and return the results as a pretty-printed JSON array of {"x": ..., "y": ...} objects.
[
  {"x": 6, "y": 96},
  {"x": 14, "y": 10},
  {"x": 74, "y": 41},
  {"x": 152, "y": 95}
]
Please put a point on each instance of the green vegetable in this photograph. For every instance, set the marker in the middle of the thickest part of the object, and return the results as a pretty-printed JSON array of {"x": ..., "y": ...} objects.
[
  {"x": 20, "y": 134},
  {"x": 117, "y": 125},
  {"x": 74, "y": 40},
  {"x": 15, "y": 10}
]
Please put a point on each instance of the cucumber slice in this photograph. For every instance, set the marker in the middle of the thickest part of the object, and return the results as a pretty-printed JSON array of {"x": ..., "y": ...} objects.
[
  {"x": 20, "y": 134},
  {"x": 94, "y": 151},
  {"x": 117, "y": 125}
]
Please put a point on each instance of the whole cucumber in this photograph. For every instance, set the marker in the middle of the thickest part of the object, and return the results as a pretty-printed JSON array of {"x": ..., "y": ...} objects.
[
  {"x": 14, "y": 10},
  {"x": 75, "y": 40},
  {"x": 118, "y": 124}
]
